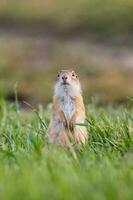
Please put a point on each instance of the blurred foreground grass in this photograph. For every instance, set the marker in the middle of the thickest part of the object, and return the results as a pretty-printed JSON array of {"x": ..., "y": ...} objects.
[{"x": 31, "y": 169}]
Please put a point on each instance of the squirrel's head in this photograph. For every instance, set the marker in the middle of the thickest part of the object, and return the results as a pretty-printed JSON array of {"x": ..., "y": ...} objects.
[{"x": 67, "y": 81}]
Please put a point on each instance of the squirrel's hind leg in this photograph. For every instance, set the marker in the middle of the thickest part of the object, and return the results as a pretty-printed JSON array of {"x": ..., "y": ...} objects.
[{"x": 80, "y": 135}]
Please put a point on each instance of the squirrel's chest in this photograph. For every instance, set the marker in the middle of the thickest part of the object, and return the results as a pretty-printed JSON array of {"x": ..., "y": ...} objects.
[{"x": 67, "y": 106}]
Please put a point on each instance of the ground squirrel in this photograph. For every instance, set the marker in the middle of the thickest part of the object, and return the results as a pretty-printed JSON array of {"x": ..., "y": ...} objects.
[{"x": 68, "y": 111}]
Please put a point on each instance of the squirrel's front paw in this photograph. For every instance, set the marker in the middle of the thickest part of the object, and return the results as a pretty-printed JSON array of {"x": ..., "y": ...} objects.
[
  {"x": 65, "y": 124},
  {"x": 71, "y": 125}
]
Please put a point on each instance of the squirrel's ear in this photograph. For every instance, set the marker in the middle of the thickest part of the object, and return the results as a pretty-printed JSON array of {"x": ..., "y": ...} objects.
[{"x": 59, "y": 72}]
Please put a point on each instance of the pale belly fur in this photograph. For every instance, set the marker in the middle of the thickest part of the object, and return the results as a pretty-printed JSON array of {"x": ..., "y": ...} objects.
[{"x": 67, "y": 106}]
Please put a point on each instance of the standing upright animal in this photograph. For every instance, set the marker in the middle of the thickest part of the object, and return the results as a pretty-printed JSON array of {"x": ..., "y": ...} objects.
[{"x": 68, "y": 111}]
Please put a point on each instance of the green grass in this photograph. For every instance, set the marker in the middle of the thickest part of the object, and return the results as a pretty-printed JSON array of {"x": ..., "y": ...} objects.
[{"x": 31, "y": 169}]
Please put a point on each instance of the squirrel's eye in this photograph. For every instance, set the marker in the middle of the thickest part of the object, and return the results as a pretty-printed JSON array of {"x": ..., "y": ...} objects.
[
  {"x": 58, "y": 76},
  {"x": 73, "y": 75}
]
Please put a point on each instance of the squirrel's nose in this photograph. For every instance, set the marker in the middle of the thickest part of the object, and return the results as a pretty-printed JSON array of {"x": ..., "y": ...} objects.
[{"x": 64, "y": 78}]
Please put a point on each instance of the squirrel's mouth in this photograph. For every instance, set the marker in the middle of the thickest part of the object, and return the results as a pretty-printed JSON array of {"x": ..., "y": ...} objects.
[{"x": 65, "y": 83}]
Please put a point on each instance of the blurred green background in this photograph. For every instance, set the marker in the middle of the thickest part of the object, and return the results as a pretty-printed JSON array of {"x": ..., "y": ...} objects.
[{"x": 94, "y": 37}]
